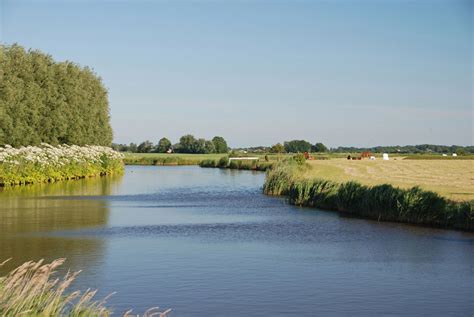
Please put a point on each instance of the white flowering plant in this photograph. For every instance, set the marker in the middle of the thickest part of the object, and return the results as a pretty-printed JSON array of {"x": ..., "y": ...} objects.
[{"x": 47, "y": 163}]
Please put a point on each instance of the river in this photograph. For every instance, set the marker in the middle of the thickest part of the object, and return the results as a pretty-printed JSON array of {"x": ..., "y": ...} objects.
[{"x": 207, "y": 242}]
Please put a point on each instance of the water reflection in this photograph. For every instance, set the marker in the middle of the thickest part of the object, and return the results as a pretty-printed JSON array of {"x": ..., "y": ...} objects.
[{"x": 27, "y": 212}]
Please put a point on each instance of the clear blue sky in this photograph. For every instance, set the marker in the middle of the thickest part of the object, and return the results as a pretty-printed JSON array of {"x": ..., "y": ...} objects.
[{"x": 359, "y": 73}]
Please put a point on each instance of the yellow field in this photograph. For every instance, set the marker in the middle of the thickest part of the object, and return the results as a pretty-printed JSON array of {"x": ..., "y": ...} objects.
[{"x": 452, "y": 179}]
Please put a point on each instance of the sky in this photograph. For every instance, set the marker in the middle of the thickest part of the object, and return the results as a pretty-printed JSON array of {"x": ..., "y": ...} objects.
[{"x": 345, "y": 73}]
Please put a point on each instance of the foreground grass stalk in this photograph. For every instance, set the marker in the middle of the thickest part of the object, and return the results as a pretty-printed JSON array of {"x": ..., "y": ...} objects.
[
  {"x": 32, "y": 290},
  {"x": 382, "y": 202}
]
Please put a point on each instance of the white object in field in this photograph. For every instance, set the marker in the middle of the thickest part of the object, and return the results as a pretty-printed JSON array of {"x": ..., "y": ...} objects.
[
  {"x": 445, "y": 154},
  {"x": 372, "y": 158},
  {"x": 454, "y": 154},
  {"x": 243, "y": 158},
  {"x": 385, "y": 157}
]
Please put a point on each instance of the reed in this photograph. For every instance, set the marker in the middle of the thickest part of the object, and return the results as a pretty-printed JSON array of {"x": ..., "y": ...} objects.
[
  {"x": 381, "y": 202},
  {"x": 32, "y": 289}
]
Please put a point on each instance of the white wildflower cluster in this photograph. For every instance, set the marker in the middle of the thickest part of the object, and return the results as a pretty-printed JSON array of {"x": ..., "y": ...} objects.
[{"x": 47, "y": 155}]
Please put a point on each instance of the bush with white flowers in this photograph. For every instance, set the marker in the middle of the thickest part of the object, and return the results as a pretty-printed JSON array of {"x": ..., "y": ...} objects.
[{"x": 44, "y": 163}]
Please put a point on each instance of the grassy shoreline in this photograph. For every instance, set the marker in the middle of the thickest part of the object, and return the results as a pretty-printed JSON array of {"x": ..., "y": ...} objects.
[
  {"x": 46, "y": 163},
  {"x": 382, "y": 202}
]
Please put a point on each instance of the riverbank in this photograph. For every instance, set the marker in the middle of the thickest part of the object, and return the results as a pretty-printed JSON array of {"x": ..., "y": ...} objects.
[
  {"x": 238, "y": 164},
  {"x": 383, "y": 202},
  {"x": 46, "y": 163}
]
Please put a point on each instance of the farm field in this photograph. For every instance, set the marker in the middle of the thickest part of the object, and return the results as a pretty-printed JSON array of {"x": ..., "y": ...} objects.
[{"x": 453, "y": 179}]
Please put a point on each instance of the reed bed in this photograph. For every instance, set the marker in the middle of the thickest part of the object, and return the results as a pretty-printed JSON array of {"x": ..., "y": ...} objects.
[
  {"x": 381, "y": 202},
  {"x": 47, "y": 163},
  {"x": 253, "y": 165},
  {"x": 32, "y": 289}
]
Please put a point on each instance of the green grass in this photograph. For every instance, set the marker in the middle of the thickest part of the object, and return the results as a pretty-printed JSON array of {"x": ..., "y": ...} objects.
[
  {"x": 382, "y": 202},
  {"x": 168, "y": 159}
]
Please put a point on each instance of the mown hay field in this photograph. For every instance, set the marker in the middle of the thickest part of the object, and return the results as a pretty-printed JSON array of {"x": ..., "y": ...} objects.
[{"x": 453, "y": 179}]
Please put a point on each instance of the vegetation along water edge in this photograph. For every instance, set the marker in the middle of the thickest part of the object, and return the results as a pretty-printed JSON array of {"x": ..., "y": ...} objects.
[
  {"x": 47, "y": 163},
  {"x": 383, "y": 202}
]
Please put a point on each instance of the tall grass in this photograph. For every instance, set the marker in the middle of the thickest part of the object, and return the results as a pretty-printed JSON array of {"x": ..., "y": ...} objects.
[
  {"x": 382, "y": 202},
  {"x": 224, "y": 162},
  {"x": 33, "y": 290}
]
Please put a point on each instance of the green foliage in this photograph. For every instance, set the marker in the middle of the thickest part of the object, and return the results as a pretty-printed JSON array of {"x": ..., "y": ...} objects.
[
  {"x": 278, "y": 148},
  {"x": 223, "y": 162},
  {"x": 220, "y": 144},
  {"x": 319, "y": 148},
  {"x": 299, "y": 159},
  {"x": 163, "y": 145},
  {"x": 145, "y": 147},
  {"x": 42, "y": 100},
  {"x": 208, "y": 163},
  {"x": 29, "y": 165},
  {"x": 382, "y": 202},
  {"x": 297, "y": 146}
]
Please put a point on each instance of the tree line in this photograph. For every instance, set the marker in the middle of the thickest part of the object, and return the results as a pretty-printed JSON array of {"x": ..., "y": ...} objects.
[
  {"x": 42, "y": 100},
  {"x": 301, "y": 146},
  {"x": 187, "y": 144},
  {"x": 421, "y": 148}
]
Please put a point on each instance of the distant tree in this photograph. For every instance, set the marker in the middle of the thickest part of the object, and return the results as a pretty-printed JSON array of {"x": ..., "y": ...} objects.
[
  {"x": 278, "y": 148},
  {"x": 187, "y": 144},
  {"x": 319, "y": 147},
  {"x": 220, "y": 144},
  {"x": 145, "y": 147},
  {"x": 209, "y": 147},
  {"x": 133, "y": 148},
  {"x": 297, "y": 146},
  {"x": 163, "y": 145}
]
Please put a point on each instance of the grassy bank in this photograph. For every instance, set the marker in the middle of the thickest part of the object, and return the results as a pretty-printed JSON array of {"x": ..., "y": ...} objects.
[
  {"x": 47, "y": 163},
  {"x": 32, "y": 289},
  {"x": 168, "y": 159},
  {"x": 382, "y": 202},
  {"x": 224, "y": 162},
  {"x": 452, "y": 179}
]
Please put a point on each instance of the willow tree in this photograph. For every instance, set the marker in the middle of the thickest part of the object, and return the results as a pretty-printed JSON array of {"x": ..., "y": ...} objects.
[{"x": 42, "y": 100}]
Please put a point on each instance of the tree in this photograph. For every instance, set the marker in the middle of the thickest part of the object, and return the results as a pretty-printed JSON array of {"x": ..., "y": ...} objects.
[
  {"x": 42, "y": 100},
  {"x": 278, "y": 148},
  {"x": 163, "y": 145},
  {"x": 209, "y": 147},
  {"x": 145, "y": 147},
  {"x": 187, "y": 144},
  {"x": 220, "y": 144},
  {"x": 133, "y": 148},
  {"x": 319, "y": 147},
  {"x": 297, "y": 146}
]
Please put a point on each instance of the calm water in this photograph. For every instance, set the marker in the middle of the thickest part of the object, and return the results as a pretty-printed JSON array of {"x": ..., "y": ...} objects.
[{"x": 207, "y": 242}]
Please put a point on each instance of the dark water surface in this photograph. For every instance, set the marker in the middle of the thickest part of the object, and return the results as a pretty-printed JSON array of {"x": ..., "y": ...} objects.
[{"x": 207, "y": 242}]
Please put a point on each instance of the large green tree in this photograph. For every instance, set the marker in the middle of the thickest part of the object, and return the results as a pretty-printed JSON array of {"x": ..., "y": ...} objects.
[
  {"x": 220, "y": 144},
  {"x": 163, "y": 145},
  {"x": 42, "y": 100},
  {"x": 297, "y": 146}
]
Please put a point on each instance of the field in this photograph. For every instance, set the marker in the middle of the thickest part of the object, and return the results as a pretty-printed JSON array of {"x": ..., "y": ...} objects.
[{"x": 452, "y": 178}]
